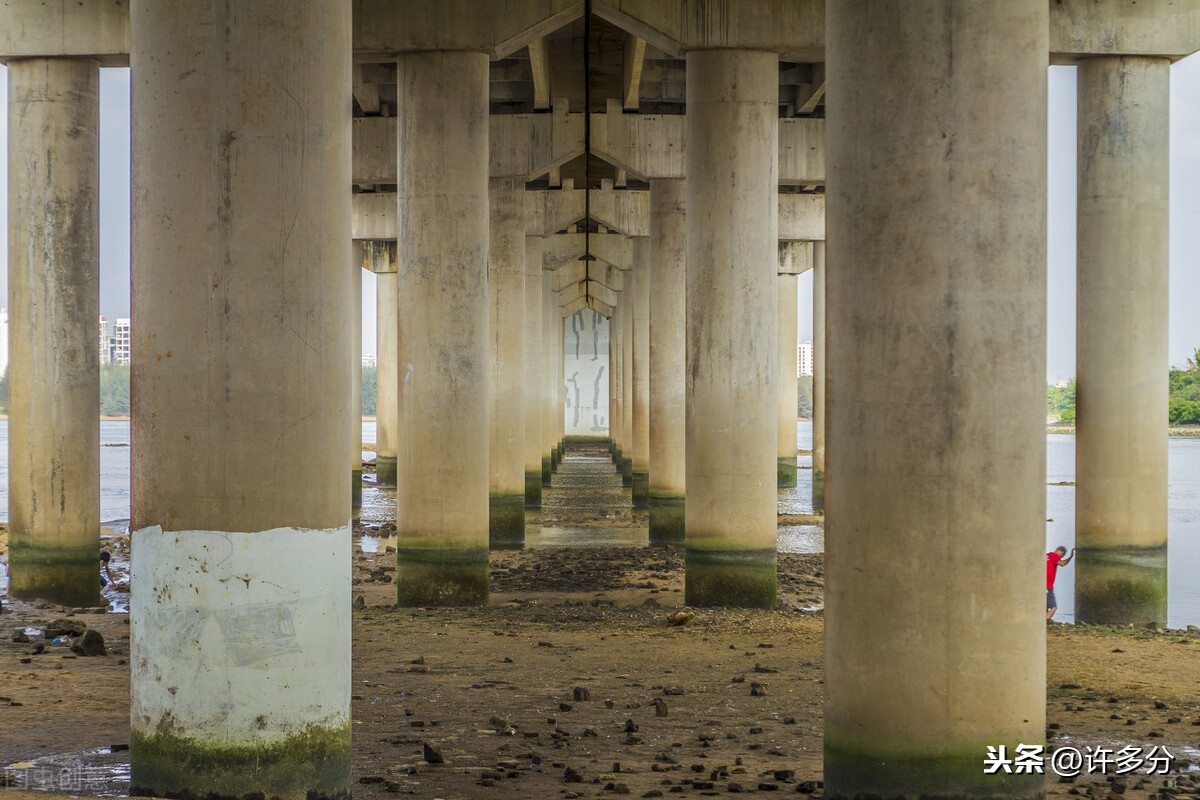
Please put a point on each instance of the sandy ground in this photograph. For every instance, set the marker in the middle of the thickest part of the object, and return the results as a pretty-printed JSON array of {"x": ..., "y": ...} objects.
[{"x": 573, "y": 682}]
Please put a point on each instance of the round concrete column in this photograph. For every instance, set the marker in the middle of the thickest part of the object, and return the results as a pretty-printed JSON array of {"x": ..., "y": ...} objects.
[
  {"x": 549, "y": 319},
  {"x": 732, "y": 358},
  {"x": 935, "y": 414},
  {"x": 641, "y": 371},
  {"x": 616, "y": 391},
  {"x": 818, "y": 382},
  {"x": 240, "y": 625},
  {"x": 53, "y": 300},
  {"x": 506, "y": 289},
  {"x": 387, "y": 407},
  {"x": 533, "y": 371},
  {"x": 668, "y": 288},
  {"x": 442, "y": 386},
  {"x": 788, "y": 388},
  {"x": 561, "y": 395},
  {"x": 355, "y": 378},
  {"x": 628, "y": 312},
  {"x": 1121, "y": 341}
]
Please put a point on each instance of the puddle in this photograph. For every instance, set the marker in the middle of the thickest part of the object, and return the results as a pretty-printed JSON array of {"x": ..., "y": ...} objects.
[{"x": 98, "y": 772}]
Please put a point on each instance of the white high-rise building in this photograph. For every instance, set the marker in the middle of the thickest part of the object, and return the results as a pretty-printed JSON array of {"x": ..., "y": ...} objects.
[
  {"x": 105, "y": 342},
  {"x": 121, "y": 342},
  {"x": 804, "y": 358},
  {"x": 368, "y": 360},
  {"x": 3, "y": 340}
]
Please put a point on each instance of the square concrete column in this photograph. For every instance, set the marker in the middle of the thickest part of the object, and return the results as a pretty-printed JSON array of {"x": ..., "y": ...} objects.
[
  {"x": 53, "y": 301},
  {"x": 240, "y": 623},
  {"x": 1121, "y": 341},
  {"x": 533, "y": 371},
  {"x": 788, "y": 388},
  {"x": 442, "y": 458},
  {"x": 640, "y": 299},
  {"x": 733, "y": 329},
  {"x": 935, "y": 413},
  {"x": 668, "y": 307},
  {"x": 818, "y": 383},
  {"x": 506, "y": 337}
]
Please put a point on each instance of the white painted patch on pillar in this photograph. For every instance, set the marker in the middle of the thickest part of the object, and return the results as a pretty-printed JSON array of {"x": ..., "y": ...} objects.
[
  {"x": 585, "y": 373},
  {"x": 240, "y": 637}
]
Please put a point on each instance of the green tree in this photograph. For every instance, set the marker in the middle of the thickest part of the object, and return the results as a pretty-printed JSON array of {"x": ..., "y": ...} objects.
[
  {"x": 1060, "y": 401},
  {"x": 114, "y": 389},
  {"x": 4, "y": 392},
  {"x": 368, "y": 391},
  {"x": 804, "y": 396}
]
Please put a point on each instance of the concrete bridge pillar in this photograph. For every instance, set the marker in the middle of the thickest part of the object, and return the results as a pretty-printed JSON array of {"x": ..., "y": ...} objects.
[
  {"x": 732, "y": 359},
  {"x": 560, "y": 414},
  {"x": 441, "y": 475},
  {"x": 387, "y": 408},
  {"x": 628, "y": 445},
  {"x": 506, "y": 287},
  {"x": 533, "y": 371},
  {"x": 668, "y": 289},
  {"x": 788, "y": 388},
  {"x": 818, "y": 382},
  {"x": 551, "y": 321},
  {"x": 640, "y": 299},
  {"x": 54, "y": 297},
  {"x": 356, "y": 380},
  {"x": 936, "y": 396},
  {"x": 240, "y": 626},
  {"x": 1121, "y": 343},
  {"x": 616, "y": 389}
]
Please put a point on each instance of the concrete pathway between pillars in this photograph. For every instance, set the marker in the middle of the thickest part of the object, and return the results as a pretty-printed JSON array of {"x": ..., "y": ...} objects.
[{"x": 586, "y": 491}]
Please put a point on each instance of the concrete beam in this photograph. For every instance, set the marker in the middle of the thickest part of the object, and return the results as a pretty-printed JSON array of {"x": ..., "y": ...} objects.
[
  {"x": 600, "y": 307},
  {"x": 1082, "y": 28},
  {"x": 795, "y": 258},
  {"x": 612, "y": 249},
  {"x": 562, "y": 248},
  {"x": 793, "y": 28},
  {"x": 374, "y": 215},
  {"x": 539, "y": 65},
  {"x": 549, "y": 211},
  {"x": 367, "y": 94},
  {"x": 801, "y": 217},
  {"x": 379, "y": 257},
  {"x": 385, "y": 27},
  {"x": 96, "y": 29},
  {"x": 623, "y": 211},
  {"x": 634, "y": 58}
]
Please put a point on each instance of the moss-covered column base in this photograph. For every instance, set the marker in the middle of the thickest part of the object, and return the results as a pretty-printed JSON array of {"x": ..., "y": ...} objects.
[
  {"x": 640, "y": 480},
  {"x": 731, "y": 579},
  {"x": 617, "y": 456},
  {"x": 385, "y": 470},
  {"x": 1118, "y": 587},
  {"x": 871, "y": 771},
  {"x": 533, "y": 489},
  {"x": 818, "y": 492},
  {"x": 506, "y": 521},
  {"x": 69, "y": 576},
  {"x": 666, "y": 518},
  {"x": 547, "y": 471},
  {"x": 787, "y": 472},
  {"x": 626, "y": 467},
  {"x": 313, "y": 764},
  {"x": 356, "y": 488},
  {"x": 554, "y": 460},
  {"x": 441, "y": 578}
]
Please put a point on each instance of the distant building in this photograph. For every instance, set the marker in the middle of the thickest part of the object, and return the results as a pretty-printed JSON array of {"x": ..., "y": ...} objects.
[
  {"x": 3, "y": 340},
  {"x": 368, "y": 361},
  {"x": 804, "y": 358},
  {"x": 105, "y": 342},
  {"x": 121, "y": 342}
]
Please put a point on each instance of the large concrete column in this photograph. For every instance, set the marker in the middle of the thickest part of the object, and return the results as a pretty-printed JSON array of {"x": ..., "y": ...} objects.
[
  {"x": 506, "y": 335},
  {"x": 550, "y": 317},
  {"x": 533, "y": 371},
  {"x": 936, "y": 397},
  {"x": 355, "y": 378},
  {"x": 668, "y": 307},
  {"x": 788, "y": 301},
  {"x": 561, "y": 394},
  {"x": 732, "y": 359},
  {"x": 818, "y": 382},
  {"x": 53, "y": 300},
  {"x": 1121, "y": 342},
  {"x": 441, "y": 462},
  {"x": 628, "y": 312},
  {"x": 387, "y": 407},
  {"x": 240, "y": 624},
  {"x": 616, "y": 389},
  {"x": 640, "y": 298}
]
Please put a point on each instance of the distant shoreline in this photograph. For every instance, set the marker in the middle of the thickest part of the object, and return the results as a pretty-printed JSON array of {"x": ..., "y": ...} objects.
[{"x": 1178, "y": 431}]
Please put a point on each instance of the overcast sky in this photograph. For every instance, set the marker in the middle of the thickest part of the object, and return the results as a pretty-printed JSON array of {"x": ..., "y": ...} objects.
[{"x": 1185, "y": 214}]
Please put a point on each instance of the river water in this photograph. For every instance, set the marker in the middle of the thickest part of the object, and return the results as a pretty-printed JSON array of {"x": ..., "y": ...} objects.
[{"x": 1183, "y": 499}]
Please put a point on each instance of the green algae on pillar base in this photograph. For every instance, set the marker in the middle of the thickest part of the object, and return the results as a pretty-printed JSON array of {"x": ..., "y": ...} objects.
[
  {"x": 429, "y": 577},
  {"x": 640, "y": 480},
  {"x": 666, "y": 518},
  {"x": 356, "y": 488},
  {"x": 533, "y": 489},
  {"x": 856, "y": 767},
  {"x": 730, "y": 579},
  {"x": 69, "y": 576},
  {"x": 313, "y": 764},
  {"x": 385, "y": 470},
  {"x": 506, "y": 521},
  {"x": 547, "y": 471},
  {"x": 787, "y": 472},
  {"x": 626, "y": 466},
  {"x": 1121, "y": 586},
  {"x": 818, "y": 490}
]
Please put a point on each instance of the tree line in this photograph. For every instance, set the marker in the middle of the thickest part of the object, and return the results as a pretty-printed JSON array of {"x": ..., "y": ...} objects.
[{"x": 1183, "y": 404}]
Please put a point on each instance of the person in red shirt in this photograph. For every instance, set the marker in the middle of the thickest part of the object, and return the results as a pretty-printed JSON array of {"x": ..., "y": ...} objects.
[{"x": 1055, "y": 560}]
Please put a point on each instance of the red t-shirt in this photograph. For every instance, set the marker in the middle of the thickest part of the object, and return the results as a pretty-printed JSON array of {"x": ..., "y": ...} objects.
[{"x": 1052, "y": 560}]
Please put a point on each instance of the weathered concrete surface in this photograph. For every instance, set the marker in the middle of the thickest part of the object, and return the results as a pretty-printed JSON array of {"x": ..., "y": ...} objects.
[
  {"x": 732, "y": 356},
  {"x": 668, "y": 351},
  {"x": 788, "y": 388},
  {"x": 355, "y": 356},
  {"x": 441, "y": 471},
  {"x": 819, "y": 373},
  {"x": 551, "y": 326},
  {"x": 1121, "y": 343},
  {"x": 239, "y": 485},
  {"x": 639, "y": 298},
  {"x": 533, "y": 369},
  {"x": 95, "y": 29},
  {"x": 387, "y": 409},
  {"x": 628, "y": 376},
  {"x": 585, "y": 366},
  {"x": 1084, "y": 28},
  {"x": 53, "y": 290},
  {"x": 937, "y": 263}
]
